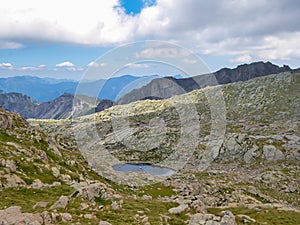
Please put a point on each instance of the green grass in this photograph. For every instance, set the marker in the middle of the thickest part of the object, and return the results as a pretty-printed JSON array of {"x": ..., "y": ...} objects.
[
  {"x": 153, "y": 209},
  {"x": 262, "y": 216},
  {"x": 156, "y": 190},
  {"x": 27, "y": 198}
]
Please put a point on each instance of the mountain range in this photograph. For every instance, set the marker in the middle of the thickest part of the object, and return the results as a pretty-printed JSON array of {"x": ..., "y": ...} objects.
[
  {"x": 61, "y": 171},
  {"x": 47, "y": 89},
  {"x": 136, "y": 88},
  {"x": 162, "y": 88},
  {"x": 59, "y": 108}
]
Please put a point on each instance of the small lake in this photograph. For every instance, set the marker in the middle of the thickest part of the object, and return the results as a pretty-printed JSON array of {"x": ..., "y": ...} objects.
[{"x": 145, "y": 168}]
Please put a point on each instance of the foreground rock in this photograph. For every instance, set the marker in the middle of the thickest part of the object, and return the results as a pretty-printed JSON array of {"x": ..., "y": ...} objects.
[
  {"x": 209, "y": 219},
  {"x": 14, "y": 215}
]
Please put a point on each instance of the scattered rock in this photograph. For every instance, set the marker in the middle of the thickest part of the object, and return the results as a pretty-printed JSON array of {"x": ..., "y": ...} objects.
[
  {"x": 247, "y": 219},
  {"x": 40, "y": 204},
  {"x": 11, "y": 166},
  {"x": 66, "y": 217},
  {"x": 13, "y": 180},
  {"x": 228, "y": 218},
  {"x": 37, "y": 184},
  {"x": 88, "y": 216},
  {"x": 209, "y": 219},
  {"x": 146, "y": 197},
  {"x": 55, "y": 172},
  {"x": 199, "y": 206},
  {"x": 141, "y": 218},
  {"x": 14, "y": 215},
  {"x": 61, "y": 203},
  {"x": 84, "y": 206},
  {"x": 92, "y": 191},
  {"x": 178, "y": 209},
  {"x": 104, "y": 223},
  {"x": 114, "y": 205},
  {"x": 271, "y": 153}
]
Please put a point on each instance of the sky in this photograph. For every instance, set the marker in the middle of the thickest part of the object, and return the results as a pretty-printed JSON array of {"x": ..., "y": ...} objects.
[{"x": 66, "y": 38}]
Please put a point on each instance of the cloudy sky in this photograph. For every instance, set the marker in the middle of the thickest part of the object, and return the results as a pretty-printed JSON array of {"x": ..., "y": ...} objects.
[{"x": 63, "y": 38}]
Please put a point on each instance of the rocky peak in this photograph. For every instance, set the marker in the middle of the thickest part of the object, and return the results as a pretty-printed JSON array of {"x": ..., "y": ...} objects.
[{"x": 167, "y": 87}]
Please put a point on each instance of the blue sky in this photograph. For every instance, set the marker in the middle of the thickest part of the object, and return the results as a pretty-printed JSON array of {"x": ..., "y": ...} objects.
[{"x": 46, "y": 39}]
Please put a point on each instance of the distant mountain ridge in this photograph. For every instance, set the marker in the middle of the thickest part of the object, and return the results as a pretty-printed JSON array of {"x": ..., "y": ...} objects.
[
  {"x": 47, "y": 89},
  {"x": 162, "y": 88}
]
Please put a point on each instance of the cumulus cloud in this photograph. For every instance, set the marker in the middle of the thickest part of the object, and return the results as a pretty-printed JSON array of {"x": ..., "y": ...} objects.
[
  {"x": 93, "y": 22},
  {"x": 65, "y": 64},
  {"x": 21, "y": 68},
  {"x": 73, "y": 69},
  {"x": 94, "y": 64},
  {"x": 6, "y": 65},
  {"x": 239, "y": 28}
]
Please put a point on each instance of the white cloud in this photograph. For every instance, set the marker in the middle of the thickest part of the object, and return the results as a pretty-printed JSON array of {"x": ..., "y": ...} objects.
[
  {"x": 30, "y": 68},
  {"x": 217, "y": 27},
  {"x": 6, "y": 65},
  {"x": 65, "y": 64},
  {"x": 73, "y": 69},
  {"x": 94, "y": 22},
  {"x": 21, "y": 68},
  {"x": 94, "y": 64},
  {"x": 162, "y": 52},
  {"x": 10, "y": 44},
  {"x": 242, "y": 59},
  {"x": 80, "y": 68},
  {"x": 137, "y": 65}
]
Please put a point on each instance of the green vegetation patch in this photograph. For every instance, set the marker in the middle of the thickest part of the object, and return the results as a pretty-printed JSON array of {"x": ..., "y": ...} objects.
[{"x": 262, "y": 216}]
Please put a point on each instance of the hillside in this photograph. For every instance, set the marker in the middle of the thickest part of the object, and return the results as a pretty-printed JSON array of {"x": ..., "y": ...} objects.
[
  {"x": 167, "y": 87},
  {"x": 246, "y": 159},
  {"x": 62, "y": 107},
  {"x": 43, "y": 180}
]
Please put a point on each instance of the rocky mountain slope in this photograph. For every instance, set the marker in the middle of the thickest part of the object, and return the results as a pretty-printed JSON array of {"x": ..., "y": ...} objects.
[
  {"x": 167, "y": 87},
  {"x": 246, "y": 155},
  {"x": 59, "y": 108},
  {"x": 43, "y": 180}
]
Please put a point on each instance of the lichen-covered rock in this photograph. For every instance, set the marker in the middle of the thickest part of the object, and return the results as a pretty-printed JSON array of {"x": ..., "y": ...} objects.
[
  {"x": 178, "y": 209},
  {"x": 270, "y": 153},
  {"x": 90, "y": 191},
  {"x": 12, "y": 180},
  {"x": 14, "y": 215},
  {"x": 104, "y": 223},
  {"x": 209, "y": 219},
  {"x": 62, "y": 202}
]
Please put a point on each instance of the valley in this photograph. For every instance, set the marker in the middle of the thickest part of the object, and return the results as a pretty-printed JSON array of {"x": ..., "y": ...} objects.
[{"x": 251, "y": 178}]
